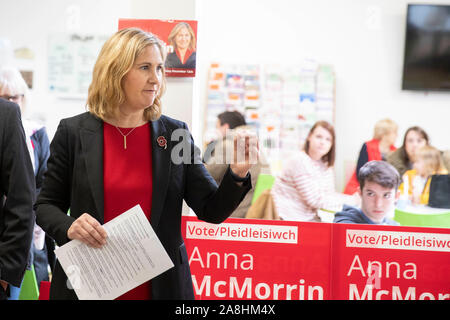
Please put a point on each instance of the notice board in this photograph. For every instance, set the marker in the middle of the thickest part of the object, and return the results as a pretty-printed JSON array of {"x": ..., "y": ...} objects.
[{"x": 71, "y": 60}]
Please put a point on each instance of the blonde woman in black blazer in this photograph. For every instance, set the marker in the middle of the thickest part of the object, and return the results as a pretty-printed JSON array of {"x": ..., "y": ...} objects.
[{"x": 75, "y": 179}]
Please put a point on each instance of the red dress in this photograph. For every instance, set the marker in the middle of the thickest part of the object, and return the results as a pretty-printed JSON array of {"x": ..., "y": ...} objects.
[{"x": 127, "y": 180}]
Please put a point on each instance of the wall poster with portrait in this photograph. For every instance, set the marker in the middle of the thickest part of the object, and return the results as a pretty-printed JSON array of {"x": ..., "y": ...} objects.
[{"x": 180, "y": 39}]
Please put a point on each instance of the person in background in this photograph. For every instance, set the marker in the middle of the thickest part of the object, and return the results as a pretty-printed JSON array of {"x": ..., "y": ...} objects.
[
  {"x": 403, "y": 158},
  {"x": 382, "y": 143},
  {"x": 17, "y": 194},
  {"x": 416, "y": 182},
  {"x": 230, "y": 123},
  {"x": 123, "y": 153},
  {"x": 182, "y": 40},
  {"x": 226, "y": 121},
  {"x": 306, "y": 183},
  {"x": 13, "y": 86},
  {"x": 378, "y": 187}
]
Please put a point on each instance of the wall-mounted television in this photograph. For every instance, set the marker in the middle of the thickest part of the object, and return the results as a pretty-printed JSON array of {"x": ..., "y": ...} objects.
[{"x": 426, "y": 64}]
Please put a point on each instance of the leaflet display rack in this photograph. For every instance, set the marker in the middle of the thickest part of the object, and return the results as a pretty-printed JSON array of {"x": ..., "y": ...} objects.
[{"x": 281, "y": 103}]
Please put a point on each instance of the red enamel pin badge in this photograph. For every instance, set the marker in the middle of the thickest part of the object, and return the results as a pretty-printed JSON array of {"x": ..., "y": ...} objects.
[{"x": 162, "y": 142}]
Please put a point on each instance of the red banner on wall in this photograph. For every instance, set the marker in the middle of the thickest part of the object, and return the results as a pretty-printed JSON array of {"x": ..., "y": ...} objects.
[{"x": 285, "y": 260}]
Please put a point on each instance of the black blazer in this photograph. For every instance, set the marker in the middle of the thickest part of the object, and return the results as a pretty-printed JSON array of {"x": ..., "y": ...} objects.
[
  {"x": 74, "y": 179},
  {"x": 17, "y": 194},
  {"x": 173, "y": 61}
]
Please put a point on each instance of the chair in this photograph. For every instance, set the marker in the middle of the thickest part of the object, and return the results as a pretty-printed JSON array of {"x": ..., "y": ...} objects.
[
  {"x": 264, "y": 182},
  {"x": 437, "y": 220},
  {"x": 29, "y": 289},
  {"x": 263, "y": 207}
]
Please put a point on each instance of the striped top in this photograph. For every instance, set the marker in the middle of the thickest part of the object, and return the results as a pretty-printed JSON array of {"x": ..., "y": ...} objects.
[{"x": 304, "y": 186}]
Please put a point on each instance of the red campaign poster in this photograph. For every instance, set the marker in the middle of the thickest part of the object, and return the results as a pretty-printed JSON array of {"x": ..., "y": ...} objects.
[
  {"x": 390, "y": 263},
  {"x": 287, "y": 260},
  {"x": 180, "y": 39},
  {"x": 258, "y": 259}
]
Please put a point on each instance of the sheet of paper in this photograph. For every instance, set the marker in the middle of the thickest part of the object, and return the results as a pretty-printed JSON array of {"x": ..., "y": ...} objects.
[{"x": 132, "y": 255}]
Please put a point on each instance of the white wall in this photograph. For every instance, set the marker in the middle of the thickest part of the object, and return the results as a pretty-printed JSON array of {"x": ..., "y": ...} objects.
[{"x": 362, "y": 39}]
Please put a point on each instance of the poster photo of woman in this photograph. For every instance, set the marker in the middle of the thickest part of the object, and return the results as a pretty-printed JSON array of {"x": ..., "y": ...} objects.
[{"x": 180, "y": 39}]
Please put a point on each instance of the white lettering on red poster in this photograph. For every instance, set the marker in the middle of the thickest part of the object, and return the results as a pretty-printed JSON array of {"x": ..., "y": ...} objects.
[{"x": 287, "y": 260}]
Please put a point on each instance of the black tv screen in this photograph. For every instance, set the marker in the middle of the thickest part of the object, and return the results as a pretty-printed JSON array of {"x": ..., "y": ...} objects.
[{"x": 426, "y": 63}]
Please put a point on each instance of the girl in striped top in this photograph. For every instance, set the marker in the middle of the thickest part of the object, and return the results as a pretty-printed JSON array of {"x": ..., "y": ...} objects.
[{"x": 306, "y": 183}]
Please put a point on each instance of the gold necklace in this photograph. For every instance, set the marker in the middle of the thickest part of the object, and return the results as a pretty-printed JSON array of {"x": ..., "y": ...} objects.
[{"x": 125, "y": 136}]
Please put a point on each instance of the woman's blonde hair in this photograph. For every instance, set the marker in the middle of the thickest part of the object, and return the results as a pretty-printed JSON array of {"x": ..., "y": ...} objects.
[
  {"x": 174, "y": 32},
  {"x": 432, "y": 159},
  {"x": 384, "y": 127},
  {"x": 116, "y": 58}
]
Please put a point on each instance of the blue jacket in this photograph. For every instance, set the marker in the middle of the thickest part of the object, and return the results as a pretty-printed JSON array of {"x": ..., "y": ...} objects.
[{"x": 41, "y": 153}]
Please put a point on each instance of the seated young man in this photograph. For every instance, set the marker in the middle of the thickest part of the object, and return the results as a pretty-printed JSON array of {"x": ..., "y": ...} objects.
[{"x": 378, "y": 187}]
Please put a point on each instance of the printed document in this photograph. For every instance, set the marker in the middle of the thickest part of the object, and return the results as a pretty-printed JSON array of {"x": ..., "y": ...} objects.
[{"x": 131, "y": 256}]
